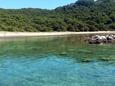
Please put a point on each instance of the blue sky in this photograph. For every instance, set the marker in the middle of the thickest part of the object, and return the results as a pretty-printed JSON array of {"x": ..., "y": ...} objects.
[{"x": 44, "y": 4}]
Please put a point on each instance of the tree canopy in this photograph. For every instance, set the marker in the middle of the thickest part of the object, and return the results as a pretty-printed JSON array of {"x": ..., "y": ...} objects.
[{"x": 83, "y": 15}]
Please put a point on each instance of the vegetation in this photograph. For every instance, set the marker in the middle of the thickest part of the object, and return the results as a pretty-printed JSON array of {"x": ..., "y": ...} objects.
[{"x": 83, "y": 15}]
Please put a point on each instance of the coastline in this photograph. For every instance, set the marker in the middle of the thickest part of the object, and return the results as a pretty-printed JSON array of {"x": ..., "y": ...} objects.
[{"x": 27, "y": 34}]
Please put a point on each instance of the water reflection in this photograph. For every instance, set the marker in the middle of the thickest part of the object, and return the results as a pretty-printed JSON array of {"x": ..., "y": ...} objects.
[{"x": 69, "y": 46}]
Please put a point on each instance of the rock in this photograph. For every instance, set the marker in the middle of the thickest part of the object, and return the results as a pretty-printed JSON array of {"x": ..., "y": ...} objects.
[
  {"x": 97, "y": 39},
  {"x": 86, "y": 60},
  {"x": 63, "y": 53}
]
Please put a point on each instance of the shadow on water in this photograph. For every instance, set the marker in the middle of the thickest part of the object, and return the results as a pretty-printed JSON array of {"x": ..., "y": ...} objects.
[{"x": 56, "y": 61}]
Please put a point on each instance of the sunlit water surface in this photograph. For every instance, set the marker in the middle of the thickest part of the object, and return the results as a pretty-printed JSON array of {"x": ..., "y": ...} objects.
[{"x": 56, "y": 61}]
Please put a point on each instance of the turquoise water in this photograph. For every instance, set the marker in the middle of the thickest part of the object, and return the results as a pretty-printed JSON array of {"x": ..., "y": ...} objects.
[{"x": 56, "y": 61}]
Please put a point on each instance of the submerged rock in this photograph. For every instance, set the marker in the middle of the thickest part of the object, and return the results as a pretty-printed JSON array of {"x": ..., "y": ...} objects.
[
  {"x": 63, "y": 53},
  {"x": 86, "y": 60},
  {"x": 105, "y": 59}
]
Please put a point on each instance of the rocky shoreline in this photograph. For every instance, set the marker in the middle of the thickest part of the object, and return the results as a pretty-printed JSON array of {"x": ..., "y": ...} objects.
[{"x": 101, "y": 39}]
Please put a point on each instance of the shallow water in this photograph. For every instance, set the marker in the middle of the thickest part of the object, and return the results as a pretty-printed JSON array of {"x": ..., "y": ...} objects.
[{"x": 56, "y": 61}]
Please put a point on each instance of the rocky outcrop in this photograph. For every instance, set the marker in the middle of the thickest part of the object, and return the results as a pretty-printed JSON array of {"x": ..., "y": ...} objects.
[{"x": 97, "y": 39}]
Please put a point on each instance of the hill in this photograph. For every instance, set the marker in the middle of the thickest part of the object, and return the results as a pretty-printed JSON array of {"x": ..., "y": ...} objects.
[{"x": 83, "y": 15}]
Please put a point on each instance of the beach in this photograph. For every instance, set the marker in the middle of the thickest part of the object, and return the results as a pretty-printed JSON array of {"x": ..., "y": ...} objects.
[{"x": 27, "y": 34}]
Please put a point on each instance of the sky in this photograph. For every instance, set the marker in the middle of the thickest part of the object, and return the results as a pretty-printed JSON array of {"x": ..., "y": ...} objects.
[{"x": 44, "y": 4}]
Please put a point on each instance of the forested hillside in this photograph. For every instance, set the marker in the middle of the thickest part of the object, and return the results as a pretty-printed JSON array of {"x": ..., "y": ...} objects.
[{"x": 83, "y": 15}]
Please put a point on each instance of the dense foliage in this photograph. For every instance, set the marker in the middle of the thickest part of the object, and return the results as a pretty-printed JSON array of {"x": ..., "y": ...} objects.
[{"x": 83, "y": 15}]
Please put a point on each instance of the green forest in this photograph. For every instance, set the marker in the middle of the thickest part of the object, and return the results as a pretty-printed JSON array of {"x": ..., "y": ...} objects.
[{"x": 83, "y": 15}]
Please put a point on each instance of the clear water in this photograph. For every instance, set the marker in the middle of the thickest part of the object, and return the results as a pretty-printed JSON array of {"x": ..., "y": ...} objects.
[{"x": 56, "y": 61}]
